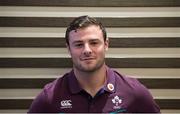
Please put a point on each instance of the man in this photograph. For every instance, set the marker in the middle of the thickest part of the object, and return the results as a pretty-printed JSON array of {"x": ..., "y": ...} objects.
[{"x": 92, "y": 86}]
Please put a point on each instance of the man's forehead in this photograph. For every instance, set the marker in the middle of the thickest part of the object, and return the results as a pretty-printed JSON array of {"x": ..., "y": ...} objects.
[
  {"x": 87, "y": 39},
  {"x": 89, "y": 28}
]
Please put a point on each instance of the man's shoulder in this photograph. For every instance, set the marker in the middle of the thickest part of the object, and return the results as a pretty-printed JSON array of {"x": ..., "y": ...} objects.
[
  {"x": 57, "y": 83},
  {"x": 126, "y": 78},
  {"x": 130, "y": 87},
  {"x": 130, "y": 82}
]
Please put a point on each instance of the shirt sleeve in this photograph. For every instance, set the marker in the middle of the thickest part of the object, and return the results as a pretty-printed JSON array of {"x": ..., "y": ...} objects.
[
  {"x": 39, "y": 104},
  {"x": 145, "y": 101}
]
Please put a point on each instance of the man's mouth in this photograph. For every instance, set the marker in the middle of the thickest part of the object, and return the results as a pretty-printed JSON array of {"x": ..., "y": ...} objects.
[{"x": 84, "y": 59}]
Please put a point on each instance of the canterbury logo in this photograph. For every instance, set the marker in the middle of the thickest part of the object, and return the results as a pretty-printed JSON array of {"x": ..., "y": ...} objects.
[{"x": 66, "y": 103}]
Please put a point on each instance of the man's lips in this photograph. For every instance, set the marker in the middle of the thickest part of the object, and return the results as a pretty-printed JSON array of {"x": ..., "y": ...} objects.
[{"x": 84, "y": 59}]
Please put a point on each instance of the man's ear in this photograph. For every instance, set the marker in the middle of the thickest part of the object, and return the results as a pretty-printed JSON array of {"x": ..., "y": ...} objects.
[
  {"x": 106, "y": 44},
  {"x": 68, "y": 48}
]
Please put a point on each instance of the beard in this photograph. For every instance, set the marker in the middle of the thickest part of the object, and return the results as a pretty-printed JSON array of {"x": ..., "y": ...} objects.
[{"x": 89, "y": 68}]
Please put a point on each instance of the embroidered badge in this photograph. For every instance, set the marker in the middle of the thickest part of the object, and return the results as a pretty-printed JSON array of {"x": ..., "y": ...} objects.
[
  {"x": 66, "y": 104},
  {"x": 110, "y": 87},
  {"x": 117, "y": 101}
]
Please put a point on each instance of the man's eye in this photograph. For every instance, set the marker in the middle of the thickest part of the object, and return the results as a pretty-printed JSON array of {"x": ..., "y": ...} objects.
[
  {"x": 78, "y": 45},
  {"x": 94, "y": 43}
]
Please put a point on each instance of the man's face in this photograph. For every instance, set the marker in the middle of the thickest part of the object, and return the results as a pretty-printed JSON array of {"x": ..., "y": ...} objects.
[{"x": 87, "y": 48}]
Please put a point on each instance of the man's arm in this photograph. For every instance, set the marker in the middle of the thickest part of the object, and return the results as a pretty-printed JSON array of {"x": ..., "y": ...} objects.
[
  {"x": 39, "y": 104},
  {"x": 145, "y": 101}
]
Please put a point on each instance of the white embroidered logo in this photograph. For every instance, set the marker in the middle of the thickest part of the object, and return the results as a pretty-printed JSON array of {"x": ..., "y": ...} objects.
[
  {"x": 66, "y": 104},
  {"x": 116, "y": 101}
]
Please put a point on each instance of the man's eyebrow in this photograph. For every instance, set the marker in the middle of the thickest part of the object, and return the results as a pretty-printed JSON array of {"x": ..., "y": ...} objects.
[
  {"x": 94, "y": 40},
  {"x": 77, "y": 41}
]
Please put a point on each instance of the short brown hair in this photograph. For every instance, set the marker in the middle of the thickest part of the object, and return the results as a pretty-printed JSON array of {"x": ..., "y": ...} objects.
[{"x": 83, "y": 22}]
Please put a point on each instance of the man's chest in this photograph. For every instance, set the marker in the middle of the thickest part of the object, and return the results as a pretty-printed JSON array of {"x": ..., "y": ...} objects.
[{"x": 104, "y": 103}]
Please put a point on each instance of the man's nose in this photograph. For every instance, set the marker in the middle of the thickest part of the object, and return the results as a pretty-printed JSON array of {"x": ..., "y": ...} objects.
[{"x": 87, "y": 50}]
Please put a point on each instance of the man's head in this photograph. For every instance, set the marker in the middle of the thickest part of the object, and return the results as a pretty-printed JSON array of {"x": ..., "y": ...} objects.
[
  {"x": 87, "y": 44},
  {"x": 83, "y": 22}
]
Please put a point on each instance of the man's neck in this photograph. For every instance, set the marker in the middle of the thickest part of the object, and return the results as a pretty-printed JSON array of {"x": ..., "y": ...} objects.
[{"x": 91, "y": 81}]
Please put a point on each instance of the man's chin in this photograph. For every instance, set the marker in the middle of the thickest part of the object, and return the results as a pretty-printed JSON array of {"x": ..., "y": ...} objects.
[{"x": 89, "y": 69}]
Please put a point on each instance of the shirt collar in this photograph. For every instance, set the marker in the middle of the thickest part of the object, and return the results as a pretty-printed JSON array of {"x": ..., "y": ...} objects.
[
  {"x": 73, "y": 83},
  {"x": 109, "y": 85},
  {"x": 110, "y": 81}
]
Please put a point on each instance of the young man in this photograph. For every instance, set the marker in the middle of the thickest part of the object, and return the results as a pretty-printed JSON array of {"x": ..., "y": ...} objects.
[{"x": 92, "y": 86}]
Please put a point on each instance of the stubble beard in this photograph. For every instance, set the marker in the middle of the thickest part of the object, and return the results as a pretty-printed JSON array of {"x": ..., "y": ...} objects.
[{"x": 89, "y": 69}]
